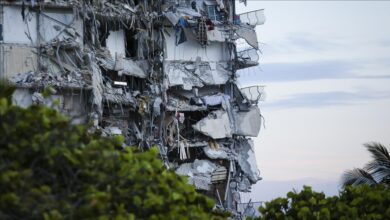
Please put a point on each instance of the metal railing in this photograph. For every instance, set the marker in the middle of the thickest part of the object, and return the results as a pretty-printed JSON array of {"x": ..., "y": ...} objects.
[
  {"x": 250, "y": 209},
  {"x": 253, "y": 17},
  {"x": 254, "y": 93}
]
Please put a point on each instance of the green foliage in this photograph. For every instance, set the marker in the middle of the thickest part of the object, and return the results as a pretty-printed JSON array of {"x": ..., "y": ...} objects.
[
  {"x": 50, "y": 169},
  {"x": 361, "y": 202}
]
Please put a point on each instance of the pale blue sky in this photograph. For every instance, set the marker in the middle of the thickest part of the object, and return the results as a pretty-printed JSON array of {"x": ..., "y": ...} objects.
[{"x": 326, "y": 67}]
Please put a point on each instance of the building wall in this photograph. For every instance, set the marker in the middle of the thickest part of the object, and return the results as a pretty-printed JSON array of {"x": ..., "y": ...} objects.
[
  {"x": 16, "y": 30},
  {"x": 70, "y": 102},
  {"x": 18, "y": 59},
  {"x": 191, "y": 49},
  {"x": 55, "y": 23}
]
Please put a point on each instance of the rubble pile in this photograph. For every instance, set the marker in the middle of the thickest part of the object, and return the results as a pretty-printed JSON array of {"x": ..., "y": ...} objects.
[{"x": 160, "y": 73}]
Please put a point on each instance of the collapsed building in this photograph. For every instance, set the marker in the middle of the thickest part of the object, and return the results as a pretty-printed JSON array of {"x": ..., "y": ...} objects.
[{"x": 160, "y": 73}]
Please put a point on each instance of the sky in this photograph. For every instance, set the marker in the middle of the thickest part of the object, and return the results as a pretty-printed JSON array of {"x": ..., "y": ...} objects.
[{"x": 326, "y": 70}]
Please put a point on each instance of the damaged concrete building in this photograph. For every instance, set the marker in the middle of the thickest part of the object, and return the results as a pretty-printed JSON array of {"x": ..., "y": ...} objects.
[{"x": 159, "y": 72}]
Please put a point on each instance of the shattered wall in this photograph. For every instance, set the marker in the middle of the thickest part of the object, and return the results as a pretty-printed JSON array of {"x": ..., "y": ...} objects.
[{"x": 160, "y": 73}]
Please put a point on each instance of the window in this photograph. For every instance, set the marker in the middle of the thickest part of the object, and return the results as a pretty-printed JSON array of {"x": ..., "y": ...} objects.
[{"x": 213, "y": 13}]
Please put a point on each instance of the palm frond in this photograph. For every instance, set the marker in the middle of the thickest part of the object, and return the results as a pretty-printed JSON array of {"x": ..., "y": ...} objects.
[
  {"x": 379, "y": 172},
  {"x": 379, "y": 167},
  {"x": 379, "y": 153},
  {"x": 356, "y": 177}
]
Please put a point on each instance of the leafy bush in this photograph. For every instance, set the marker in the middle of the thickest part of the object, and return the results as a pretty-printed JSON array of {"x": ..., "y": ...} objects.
[
  {"x": 361, "y": 202},
  {"x": 50, "y": 169}
]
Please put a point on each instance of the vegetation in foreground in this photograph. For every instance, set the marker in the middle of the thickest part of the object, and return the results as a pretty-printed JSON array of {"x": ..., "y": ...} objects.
[
  {"x": 50, "y": 169},
  {"x": 360, "y": 202}
]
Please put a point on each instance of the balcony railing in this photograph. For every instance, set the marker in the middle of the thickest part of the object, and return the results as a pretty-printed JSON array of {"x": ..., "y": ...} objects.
[{"x": 254, "y": 93}]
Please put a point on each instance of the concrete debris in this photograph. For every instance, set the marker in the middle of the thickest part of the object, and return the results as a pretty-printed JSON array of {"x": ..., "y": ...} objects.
[
  {"x": 247, "y": 57},
  {"x": 97, "y": 90},
  {"x": 37, "y": 98},
  {"x": 216, "y": 125},
  {"x": 159, "y": 73},
  {"x": 200, "y": 173},
  {"x": 117, "y": 95},
  {"x": 220, "y": 124},
  {"x": 196, "y": 74},
  {"x": 248, "y": 123},
  {"x": 113, "y": 130},
  {"x": 244, "y": 185},
  {"x": 213, "y": 100},
  {"x": 123, "y": 66},
  {"x": 247, "y": 160},
  {"x": 249, "y": 34},
  {"x": 204, "y": 166},
  {"x": 42, "y": 79},
  {"x": 182, "y": 105},
  {"x": 214, "y": 152}
]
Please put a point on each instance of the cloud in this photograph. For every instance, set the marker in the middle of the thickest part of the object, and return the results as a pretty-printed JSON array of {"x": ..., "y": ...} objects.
[
  {"x": 321, "y": 99},
  {"x": 277, "y": 72},
  {"x": 306, "y": 41},
  {"x": 384, "y": 43},
  {"x": 301, "y": 41},
  {"x": 315, "y": 70}
]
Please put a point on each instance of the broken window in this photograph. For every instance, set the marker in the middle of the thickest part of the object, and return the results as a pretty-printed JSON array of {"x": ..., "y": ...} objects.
[{"x": 213, "y": 13}]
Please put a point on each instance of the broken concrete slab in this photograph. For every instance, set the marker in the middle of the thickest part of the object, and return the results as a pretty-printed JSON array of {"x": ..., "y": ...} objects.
[
  {"x": 216, "y": 125},
  {"x": 113, "y": 131},
  {"x": 247, "y": 160},
  {"x": 248, "y": 123},
  {"x": 245, "y": 123},
  {"x": 196, "y": 74},
  {"x": 131, "y": 68},
  {"x": 203, "y": 166},
  {"x": 199, "y": 173},
  {"x": 249, "y": 35},
  {"x": 220, "y": 153}
]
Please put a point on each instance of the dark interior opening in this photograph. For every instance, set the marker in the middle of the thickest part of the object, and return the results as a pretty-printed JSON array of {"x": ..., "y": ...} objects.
[{"x": 131, "y": 44}]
